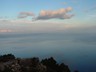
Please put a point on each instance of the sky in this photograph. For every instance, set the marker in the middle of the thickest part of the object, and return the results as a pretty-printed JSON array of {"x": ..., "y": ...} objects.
[{"x": 46, "y": 15}]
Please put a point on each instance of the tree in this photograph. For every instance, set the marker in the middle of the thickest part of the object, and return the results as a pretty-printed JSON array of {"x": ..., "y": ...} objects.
[{"x": 7, "y": 57}]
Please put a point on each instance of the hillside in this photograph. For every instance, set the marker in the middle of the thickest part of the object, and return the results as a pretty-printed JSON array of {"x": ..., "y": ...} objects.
[{"x": 9, "y": 63}]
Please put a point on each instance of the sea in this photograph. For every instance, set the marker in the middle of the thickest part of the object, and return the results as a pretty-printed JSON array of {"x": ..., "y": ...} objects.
[{"x": 77, "y": 50}]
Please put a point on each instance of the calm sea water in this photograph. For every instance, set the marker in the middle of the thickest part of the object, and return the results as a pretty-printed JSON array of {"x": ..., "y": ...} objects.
[{"x": 78, "y": 50}]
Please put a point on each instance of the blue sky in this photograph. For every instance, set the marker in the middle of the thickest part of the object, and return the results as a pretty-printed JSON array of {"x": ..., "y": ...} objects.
[{"x": 22, "y": 12}]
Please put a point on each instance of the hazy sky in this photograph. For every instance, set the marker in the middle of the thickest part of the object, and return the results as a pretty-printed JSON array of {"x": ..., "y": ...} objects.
[{"x": 46, "y": 15}]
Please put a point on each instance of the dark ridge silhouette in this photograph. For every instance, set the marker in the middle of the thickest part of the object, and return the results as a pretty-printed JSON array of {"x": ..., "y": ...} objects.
[
  {"x": 8, "y": 63},
  {"x": 5, "y": 58},
  {"x": 53, "y": 66}
]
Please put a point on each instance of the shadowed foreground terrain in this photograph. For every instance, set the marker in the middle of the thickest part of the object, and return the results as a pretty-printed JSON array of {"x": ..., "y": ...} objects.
[{"x": 8, "y": 63}]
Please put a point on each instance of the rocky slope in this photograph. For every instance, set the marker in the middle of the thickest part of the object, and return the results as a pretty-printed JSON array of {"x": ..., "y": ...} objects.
[{"x": 8, "y": 63}]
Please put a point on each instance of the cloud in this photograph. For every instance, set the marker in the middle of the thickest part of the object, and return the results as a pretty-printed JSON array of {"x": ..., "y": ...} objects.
[
  {"x": 5, "y": 30},
  {"x": 55, "y": 14},
  {"x": 25, "y": 14},
  {"x": 4, "y": 20},
  {"x": 62, "y": 13}
]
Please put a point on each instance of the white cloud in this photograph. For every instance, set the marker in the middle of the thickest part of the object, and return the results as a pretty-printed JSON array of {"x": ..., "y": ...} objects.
[
  {"x": 55, "y": 14},
  {"x": 62, "y": 13},
  {"x": 25, "y": 14},
  {"x": 21, "y": 23},
  {"x": 5, "y": 30}
]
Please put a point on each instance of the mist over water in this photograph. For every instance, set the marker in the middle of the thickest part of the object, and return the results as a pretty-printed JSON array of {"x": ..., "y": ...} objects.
[{"x": 77, "y": 50}]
